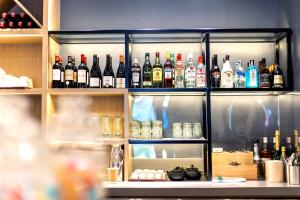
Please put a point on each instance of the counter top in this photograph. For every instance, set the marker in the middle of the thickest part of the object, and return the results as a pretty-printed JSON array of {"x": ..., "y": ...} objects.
[{"x": 249, "y": 189}]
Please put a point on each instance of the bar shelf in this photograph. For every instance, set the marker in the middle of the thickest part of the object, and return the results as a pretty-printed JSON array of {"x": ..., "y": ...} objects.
[
  {"x": 87, "y": 91},
  {"x": 168, "y": 141}
]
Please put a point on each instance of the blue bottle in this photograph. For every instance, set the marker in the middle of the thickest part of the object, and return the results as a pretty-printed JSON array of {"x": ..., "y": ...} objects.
[{"x": 252, "y": 76}]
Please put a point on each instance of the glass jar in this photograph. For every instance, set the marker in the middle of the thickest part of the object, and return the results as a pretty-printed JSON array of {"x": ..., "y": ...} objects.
[
  {"x": 157, "y": 130},
  {"x": 197, "y": 131},
  {"x": 177, "y": 131},
  {"x": 118, "y": 127},
  {"x": 106, "y": 126},
  {"x": 187, "y": 131},
  {"x": 146, "y": 130},
  {"x": 135, "y": 129}
]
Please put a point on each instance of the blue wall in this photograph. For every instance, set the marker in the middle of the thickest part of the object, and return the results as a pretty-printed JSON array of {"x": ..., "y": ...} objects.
[{"x": 119, "y": 14}]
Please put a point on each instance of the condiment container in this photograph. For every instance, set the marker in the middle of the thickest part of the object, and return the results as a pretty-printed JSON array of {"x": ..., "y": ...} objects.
[
  {"x": 274, "y": 171},
  {"x": 294, "y": 175}
]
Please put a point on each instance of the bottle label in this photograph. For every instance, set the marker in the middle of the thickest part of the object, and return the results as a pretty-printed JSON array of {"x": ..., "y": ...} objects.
[
  {"x": 56, "y": 74},
  {"x": 120, "y": 83},
  {"x": 75, "y": 77},
  {"x": 278, "y": 80},
  {"x": 87, "y": 78},
  {"x": 108, "y": 81},
  {"x": 227, "y": 79},
  {"x": 190, "y": 76},
  {"x": 81, "y": 76},
  {"x": 157, "y": 74},
  {"x": 240, "y": 79},
  {"x": 135, "y": 78},
  {"x": 179, "y": 77},
  {"x": 253, "y": 78},
  {"x": 94, "y": 82},
  {"x": 264, "y": 80},
  {"x": 62, "y": 75},
  {"x": 69, "y": 75},
  {"x": 147, "y": 83},
  {"x": 168, "y": 75},
  {"x": 200, "y": 77}
]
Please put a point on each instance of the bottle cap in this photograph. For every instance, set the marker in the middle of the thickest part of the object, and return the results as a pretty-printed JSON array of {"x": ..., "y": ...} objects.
[
  {"x": 168, "y": 56},
  {"x": 147, "y": 54},
  {"x": 265, "y": 140},
  {"x": 251, "y": 62},
  {"x": 283, "y": 149},
  {"x": 179, "y": 57},
  {"x": 288, "y": 140},
  {"x": 200, "y": 59},
  {"x": 277, "y": 133},
  {"x": 295, "y": 132},
  {"x": 60, "y": 59},
  {"x": 57, "y": 58},
  {"x": 227, "y": 57},
  {"x": 121, "y": 58},
  {"x": 136, "y": 60},
  {"x": 157, "y": 54},
  {"x": 190, "y": 56},
  {"x": 82, "y": 57}
]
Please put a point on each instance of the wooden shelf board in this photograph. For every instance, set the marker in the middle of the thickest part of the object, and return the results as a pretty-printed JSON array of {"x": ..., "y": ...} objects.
[
  {"x": 87, "y": 91},
  {"x": 33, "y": 91},
  {"x": 20, "y": 36}
]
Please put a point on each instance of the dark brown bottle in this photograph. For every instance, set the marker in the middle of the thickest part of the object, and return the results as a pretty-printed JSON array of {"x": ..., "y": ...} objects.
[
  {"x": 264, "y": 75},
  {"x": 136, "y": 74},
  {"x": 157, "y": 73},
  {"x": 56, "y": 74},
  {"x": 147, "y": 72},
  {"x": 82, "y": 75},
  {"x": 95, "y": 75},
  {"x": 277, "y": 76},
  {"x": 69, "y": 74},
  {"x": 215, "y": 73},
  {"x": 265, "y": 154},
  {"x": 120, "y": 80},
  {"x": 62, "y": 73},
  {"x": 168, "y": 72},
  {"x": 108, "y": 74},
  {"x": 75, "y": 75}
]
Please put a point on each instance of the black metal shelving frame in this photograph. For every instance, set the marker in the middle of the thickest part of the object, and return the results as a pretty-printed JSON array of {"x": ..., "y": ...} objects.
[{"x": 205, "y": 36}]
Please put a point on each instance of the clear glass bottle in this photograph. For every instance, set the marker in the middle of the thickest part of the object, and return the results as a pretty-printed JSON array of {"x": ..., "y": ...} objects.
[
  {"x": 146, "y": 130},
  {"x": 179, "y": 72},
  {"x": 177, "y": 131},
  {"x": 227, "y": 74},
  {"x": 187, "y": 131},
  {"x": 200, "y": 73},
  {"x": 190, "y": 72},
  {"x": 240, "y": 76},
  {"x": 157, "y": 129},
  {"x": 252, "y": 75}
]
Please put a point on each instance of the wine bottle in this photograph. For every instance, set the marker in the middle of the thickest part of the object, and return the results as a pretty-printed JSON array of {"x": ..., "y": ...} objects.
[
  {"x": 147, "y": 72},
  {"x": 87, "y": 73},
  {"x": 75, "y": 75},
  {"x": 95, "y": 75},
  {"x": 120, "y": 82},
  {"x": 82, "y": 75},
  {"x": 56, "y": 75},
  {"x": 215, "y": 73},
  {"x": 135, "y": 74},
  {"x": 179, "y": 72},
  {"x": 277, "y": 153},
  {"x": 69, "y": 74},
  {"x": 157, "y": 73},
  {"x": 277, "y": 76},
  {"x": 62, "y": 73},
  {"x": 108, "y": 74},
  {"x": 257, "y": 162},
  {"x": 265, "y": 153},
  {"x": 168, "y": 72}
]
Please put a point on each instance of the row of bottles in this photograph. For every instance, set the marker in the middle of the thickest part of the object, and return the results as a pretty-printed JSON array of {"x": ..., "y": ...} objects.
[
  {"x": 16, "y": 20},
  {"x": 72, "y": 77},
  {"x": 277, "y": 151},
  {"x": 173, "y": 74},
  {"x": 251, "y": 77}
]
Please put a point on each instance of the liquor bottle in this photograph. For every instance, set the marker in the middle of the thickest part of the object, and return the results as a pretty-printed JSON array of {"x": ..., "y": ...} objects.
[
  {"x": 62, "y": 73},
  {"x": 120, "y": 81},
  {"x": 157, "y": 73},
  {"x": 147, "y": 72},
  {"x": 239, "y": 76},
  {"x": 288, "y": 144},
  {"x": 108, "y": 74},
  {"x": 296, "y": 161},
  {"x": 172, "y": 59},
  {"x": 168, "y": 72},
  {"x": 273, "y": 146},
  {"x": 277, "y": 76},
  {"x": 136, "y": 74},
  {"x": 227, "y": 74},
  {"x": 283, "y": 157},
  {"x": 215, "y": 73},
  {"x": 264, "y": 75},
  {"x": 265, "y": 153},
  {"x": 200, "y": 73},
  {"x": 95, "y": 74},
  {"x": 179, "y": 72},
  {"x": 69, "y": 74},
  {"x": 277, "y": 154},
  {"x": 296, "y": 143},
  {"x": 75, "y": 75},
  {"x": 252, "y": 76},
  {"x": 56, "y": 75},
  {"x": 82, "y": 75},
  {"x": 190, "y": 72},
  {"x": 257, "y": 161}
]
